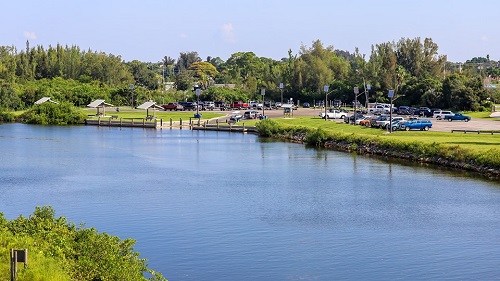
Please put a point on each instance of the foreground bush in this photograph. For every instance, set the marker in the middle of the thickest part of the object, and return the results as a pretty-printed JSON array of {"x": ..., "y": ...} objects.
[
  {"x": 58, "y": 250},
  {"x": 53, "y": 114}
]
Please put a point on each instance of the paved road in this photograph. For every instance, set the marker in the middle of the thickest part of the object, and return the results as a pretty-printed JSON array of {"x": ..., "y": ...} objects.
[{"x": 437, "y": 125}]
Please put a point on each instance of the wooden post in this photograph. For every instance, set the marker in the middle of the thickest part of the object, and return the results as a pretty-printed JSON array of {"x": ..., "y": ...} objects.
[
  {"x": 217, "y": 124},
  {"x": 180, "y": 122},
  {"x": 15, "y": 257},
  {"x": 170, "y": 122}
]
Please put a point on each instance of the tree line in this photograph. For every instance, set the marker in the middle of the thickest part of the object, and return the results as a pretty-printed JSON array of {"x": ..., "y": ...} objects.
[{"x": 413, "y": 68}]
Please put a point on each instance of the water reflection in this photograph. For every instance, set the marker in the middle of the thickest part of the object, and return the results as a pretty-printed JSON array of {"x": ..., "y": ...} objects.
[{"x": 236, "y": 207}]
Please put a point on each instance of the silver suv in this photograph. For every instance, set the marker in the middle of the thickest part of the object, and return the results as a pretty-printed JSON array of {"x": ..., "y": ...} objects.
[{"x": 441, "y": 113}]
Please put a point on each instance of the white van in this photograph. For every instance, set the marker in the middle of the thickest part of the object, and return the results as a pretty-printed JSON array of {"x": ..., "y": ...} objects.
[{"x": 440, "y": 114}]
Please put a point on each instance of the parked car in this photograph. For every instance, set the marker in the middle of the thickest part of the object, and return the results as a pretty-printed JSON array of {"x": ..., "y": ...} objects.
[
  {"x": 333, "y": 114},
  {"x": 305, "y": 105},
  {"x": 252, "y": 114},
  {"x": 439, "y": 114},
  {"x": 457, "y": 116},
  {"x": 350, "y": 119},
  {"x": 403, "y": 110},
  {"x": 173, "y": 106},
  {"x": 396, "y": 124},
  {"x": 418, "y": 124},
  {"x": 209, "y": 105},
  {"x": 189, "y": 105},
  {"x": 384, "y": 123},
  {"x": 423, "y": 111},
  {"x": 366, "y": 121},
  {"x": 220, "y": 105},
  {"x": 363, "y": 120},
  {"x": 236, "y": 117}
]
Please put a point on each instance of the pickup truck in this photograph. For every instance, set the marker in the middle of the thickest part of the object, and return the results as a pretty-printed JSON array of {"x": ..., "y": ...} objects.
[
  {"x": 239, "y": 105},
  {"x": 173, "y": 106},
  {"x": 457, "y": 116},
  {"x": 383, "y": 123},
  {"x": 333, "y": 114}
]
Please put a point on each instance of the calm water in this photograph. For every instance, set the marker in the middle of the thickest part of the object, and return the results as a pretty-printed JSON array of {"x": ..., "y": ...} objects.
[{"x": 221, "y": 206}]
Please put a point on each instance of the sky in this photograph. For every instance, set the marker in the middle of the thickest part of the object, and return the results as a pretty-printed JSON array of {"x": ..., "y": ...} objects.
[{"x": 149, "y": 30}]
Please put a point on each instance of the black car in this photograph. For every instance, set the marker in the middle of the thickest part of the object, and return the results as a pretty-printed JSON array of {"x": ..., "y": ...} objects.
[
  {"x": 424, "y": 112},
  {"x": 189, "y": 105},
  {"x": 305, "y": 105}
]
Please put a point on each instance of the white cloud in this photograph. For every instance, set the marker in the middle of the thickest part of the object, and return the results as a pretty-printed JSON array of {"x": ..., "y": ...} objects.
[
  {"x": 485, "y": 38},
  {"x": 29, "y": 35},
  {"x": 228, "y": 33},
  {"x": 183, "y": 36}
]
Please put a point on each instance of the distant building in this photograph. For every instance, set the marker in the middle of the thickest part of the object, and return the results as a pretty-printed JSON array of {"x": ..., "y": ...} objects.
[{"x": 228, "y": 86}]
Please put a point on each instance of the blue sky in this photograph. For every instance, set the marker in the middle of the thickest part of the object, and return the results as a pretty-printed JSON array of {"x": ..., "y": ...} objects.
[{"x": 148, "y": 30}]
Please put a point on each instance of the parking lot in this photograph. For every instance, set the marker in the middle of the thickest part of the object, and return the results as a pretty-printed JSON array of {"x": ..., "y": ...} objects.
[{"x": 437, "y": 125}]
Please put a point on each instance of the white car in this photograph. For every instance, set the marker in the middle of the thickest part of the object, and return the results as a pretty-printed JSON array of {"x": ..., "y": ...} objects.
[
  {"x": 333, "y": 114},
  {"x": 441, "y": 113}
]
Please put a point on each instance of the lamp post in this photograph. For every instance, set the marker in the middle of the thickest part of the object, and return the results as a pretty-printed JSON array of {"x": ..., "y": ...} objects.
[
  {"x": 132, "y": 94},
  {"x": 356, "y": 92},
  {"x": 263, "y": 93},
  {"x": 326, "y": 98},
  {"x": 197, "y": 102},
  {"x": 281, "y": 91},
  {"x": 391, "y": 96}
]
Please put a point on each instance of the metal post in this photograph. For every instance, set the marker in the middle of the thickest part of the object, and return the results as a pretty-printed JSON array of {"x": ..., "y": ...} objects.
[
  {"x": 326, "y": 98},
  {"x": 281, "y": 91},
  {"x": 263, "y": 93},
  {"x": 356, "y": 92},
  {"x": 391, "y": 96}
]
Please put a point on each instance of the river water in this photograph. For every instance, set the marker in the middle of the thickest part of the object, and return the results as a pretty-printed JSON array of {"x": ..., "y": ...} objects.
[{"x": 229, "y": 206}]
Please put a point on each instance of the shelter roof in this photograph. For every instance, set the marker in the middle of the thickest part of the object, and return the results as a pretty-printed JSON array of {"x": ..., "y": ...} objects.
[
  {"x": 149, "y": 104},
  {"x": 44, "y": 99},
  {"x": 99, "y": 103}
]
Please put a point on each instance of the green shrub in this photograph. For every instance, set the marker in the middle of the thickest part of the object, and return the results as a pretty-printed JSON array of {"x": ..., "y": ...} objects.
[
  {"x": 317, "y": 137},
  {"x": 6, "y": 116},
  {"x": 58, "y": 250},
  {"x": 268, "y": 128},
  {"x": 54, "y": 114}
]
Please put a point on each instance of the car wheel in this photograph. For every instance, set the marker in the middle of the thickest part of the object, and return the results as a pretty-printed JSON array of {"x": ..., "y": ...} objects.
[
  {"x": 367, "y": 124},
  {"x": 449, "y": 119},
  {"x": 394, "y": 129},
  {"x": 426, "y": 128},
  {"x": 407, "y": 128},
  {"x": 466, "y": 120},
  {"x": 438, "y": 118}
]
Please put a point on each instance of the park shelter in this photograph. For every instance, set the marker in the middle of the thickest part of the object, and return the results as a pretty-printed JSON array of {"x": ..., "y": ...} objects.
[
  {"x": 44, "y": 99},
  {"x": 150, "y": 105},
  {"x": 287, "y": 109},
  {"x": 100, "y": 105}
]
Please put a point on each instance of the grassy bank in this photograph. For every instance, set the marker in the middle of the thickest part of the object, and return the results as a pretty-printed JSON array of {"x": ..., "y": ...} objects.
[{"x": 470, "y": 152}]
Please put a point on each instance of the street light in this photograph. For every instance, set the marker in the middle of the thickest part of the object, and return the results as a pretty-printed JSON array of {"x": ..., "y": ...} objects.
[
  {"x": 326, "y": 98},
  {"x": 391, "y": 96},
  {"x": 197, "y": 102},
  {"x": 132, "y": 93},
  {"x": 356, "y": 92},
  {"x": 263, "y": 93},
  {"x": 281, "y": 91}
]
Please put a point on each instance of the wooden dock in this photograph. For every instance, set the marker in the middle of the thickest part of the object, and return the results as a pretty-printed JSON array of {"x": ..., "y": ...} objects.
[{"x": 192, "y": 124}]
